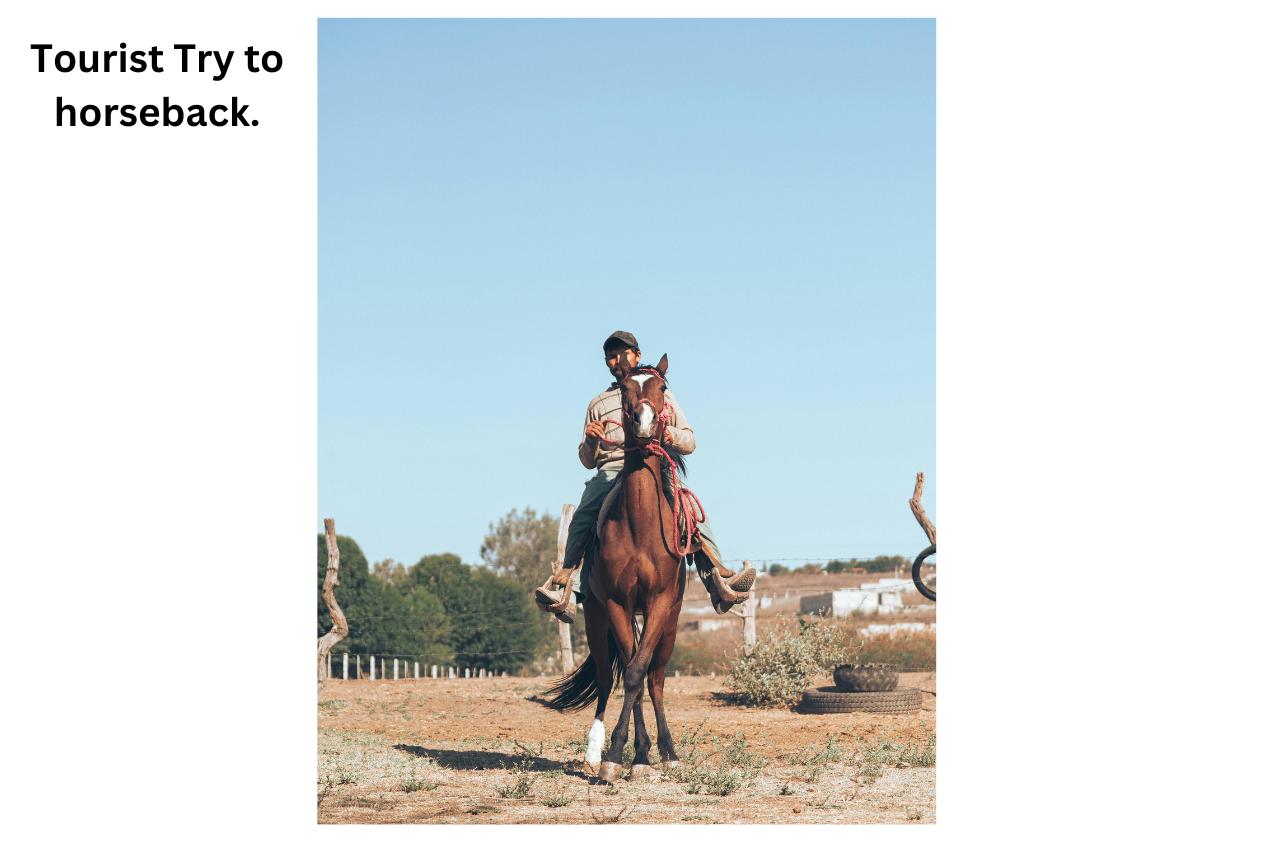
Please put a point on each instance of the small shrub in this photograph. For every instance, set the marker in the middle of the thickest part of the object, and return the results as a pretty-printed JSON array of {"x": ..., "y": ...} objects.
[
  {"x": 520, "y": 788},
  {"x": 687, "y": 746},
  {"x": 872, "y": 758},
  {"x": 782, "y": 665},
  {"x": 735, "y": 766},
  {"x": 928, "y": 757},
  {"x": 555, "y": 801},
  {"x": 416, "y": 783},
  {"x": 817, "y": 757},
  {"x": 528, "y": 748},
  {"x": 913, "y": 815},
  {"x": 738, "y": 754},
  {"x": 722, "y": 782},
  {"x": 523, "y": 783},
  {"x": 787, "y": 790},
  {"x": 870, "y": 770}
]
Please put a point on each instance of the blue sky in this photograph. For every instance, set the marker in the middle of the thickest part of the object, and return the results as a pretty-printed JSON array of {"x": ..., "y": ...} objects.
[{"x": 753, "y": 198}]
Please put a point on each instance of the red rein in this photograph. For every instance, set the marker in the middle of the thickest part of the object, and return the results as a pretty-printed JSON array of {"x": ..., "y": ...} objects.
[{"x": 685, "y": 503}]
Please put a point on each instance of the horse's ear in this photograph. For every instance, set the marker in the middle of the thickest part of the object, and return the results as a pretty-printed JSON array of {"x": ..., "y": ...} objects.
[{"x": 662, "y": 366}]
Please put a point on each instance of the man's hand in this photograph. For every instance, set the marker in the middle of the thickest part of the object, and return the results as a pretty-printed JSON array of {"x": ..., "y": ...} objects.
[
  {"x": 594, "y": 432},
  {"x": 667, "y": 439}
]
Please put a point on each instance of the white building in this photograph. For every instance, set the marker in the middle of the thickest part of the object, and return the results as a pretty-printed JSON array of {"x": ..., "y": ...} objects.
[{"x": 871, "y": 598}]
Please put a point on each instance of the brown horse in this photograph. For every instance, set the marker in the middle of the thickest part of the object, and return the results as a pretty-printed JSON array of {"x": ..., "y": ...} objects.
[{"x": 636, "y": 568}]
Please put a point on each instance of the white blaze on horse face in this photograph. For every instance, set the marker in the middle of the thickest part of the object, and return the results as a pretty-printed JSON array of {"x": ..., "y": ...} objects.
[
  {"x": 640, "y": 379},
  {"x": 595, "y": 741},
  {"x": 647, "y": 422}
]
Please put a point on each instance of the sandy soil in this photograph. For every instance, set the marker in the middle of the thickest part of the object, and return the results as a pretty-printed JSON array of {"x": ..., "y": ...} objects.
[{"x": 457, "y": 744}]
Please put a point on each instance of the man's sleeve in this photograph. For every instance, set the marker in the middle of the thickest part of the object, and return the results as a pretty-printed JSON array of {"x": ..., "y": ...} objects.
[
  {"x": 681, "y": 434},
  {"x": 586, "y": 455}
]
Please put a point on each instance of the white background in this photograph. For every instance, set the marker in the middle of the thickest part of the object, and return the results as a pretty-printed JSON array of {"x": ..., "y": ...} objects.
[{"x": 1106, "y": 307}]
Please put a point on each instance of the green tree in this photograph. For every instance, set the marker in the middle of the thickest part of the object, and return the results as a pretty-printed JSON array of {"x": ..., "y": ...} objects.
[
  {"x": 430, "y": 625},
  {"x": 492, "y": 619},
  {"x": 522, "y": 546},
  {"x": 777, "y": 570},
  {"x": 382, "y": 621},
  {"x": 392, "y": 572},
  {"x": 884, "y": 563}
]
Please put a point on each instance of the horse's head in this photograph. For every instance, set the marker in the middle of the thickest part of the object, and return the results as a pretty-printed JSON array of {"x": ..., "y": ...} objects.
[{"x": 642, "y": 399}]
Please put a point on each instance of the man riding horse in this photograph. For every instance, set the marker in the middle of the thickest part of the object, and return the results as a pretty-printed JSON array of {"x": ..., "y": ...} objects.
[{"x": 605, "y": 455}]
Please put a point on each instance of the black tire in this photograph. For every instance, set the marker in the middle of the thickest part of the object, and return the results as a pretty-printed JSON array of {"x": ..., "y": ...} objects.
[
  {"x": 866, "y": 678},
  {"x": 915, "y": 574},
  {"x": 831, "y": 700}
]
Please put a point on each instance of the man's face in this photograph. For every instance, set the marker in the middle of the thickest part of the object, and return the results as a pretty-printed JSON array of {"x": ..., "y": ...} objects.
[{"x": 621, "y": 361}]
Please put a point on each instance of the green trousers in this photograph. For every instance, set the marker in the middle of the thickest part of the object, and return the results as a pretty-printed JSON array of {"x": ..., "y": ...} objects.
[{"x": 583, "y": 524}]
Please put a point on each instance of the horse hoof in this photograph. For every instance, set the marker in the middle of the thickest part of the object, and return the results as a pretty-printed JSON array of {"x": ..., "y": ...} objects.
[
  {"x": 610, "y": 771},
  {"x": 640, "y": 771},
  {"x": 674, "y": 764},
  {"x": 591, "y": 769}
]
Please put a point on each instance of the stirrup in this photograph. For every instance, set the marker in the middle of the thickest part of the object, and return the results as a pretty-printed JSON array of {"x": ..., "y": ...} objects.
[
  {"x": 743, "y": 581},
  {"x": 562, "y": 606}
]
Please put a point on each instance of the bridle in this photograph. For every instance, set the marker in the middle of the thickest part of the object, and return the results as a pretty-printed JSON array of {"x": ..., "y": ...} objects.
[{"x": 687, "y": 505}]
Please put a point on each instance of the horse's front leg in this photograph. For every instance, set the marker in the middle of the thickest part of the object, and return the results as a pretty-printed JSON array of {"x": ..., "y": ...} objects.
[
  {"x": 598, "y": 645},
  {"x": 640, "y": 764},
  {"x": 620, "y": 623}
]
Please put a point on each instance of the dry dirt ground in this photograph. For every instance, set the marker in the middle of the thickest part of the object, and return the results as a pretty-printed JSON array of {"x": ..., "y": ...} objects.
[{"x": 485, "y": 751}]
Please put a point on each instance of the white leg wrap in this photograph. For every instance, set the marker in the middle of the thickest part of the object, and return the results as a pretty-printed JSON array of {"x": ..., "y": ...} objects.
[{"x": 595, "y": 742}]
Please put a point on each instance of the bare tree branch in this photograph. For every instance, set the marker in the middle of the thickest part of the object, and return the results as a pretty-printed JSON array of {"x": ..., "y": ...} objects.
[
  {"x": 918, "y": 510},
  {"x": 339, "y": 628}
]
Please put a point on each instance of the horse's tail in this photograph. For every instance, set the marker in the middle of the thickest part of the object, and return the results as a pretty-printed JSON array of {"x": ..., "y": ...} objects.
[{"x": 578, "y": 689}]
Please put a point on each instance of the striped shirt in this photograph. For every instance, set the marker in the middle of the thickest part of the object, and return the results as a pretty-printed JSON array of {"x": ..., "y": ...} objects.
[{"x": 608, "y": 405}]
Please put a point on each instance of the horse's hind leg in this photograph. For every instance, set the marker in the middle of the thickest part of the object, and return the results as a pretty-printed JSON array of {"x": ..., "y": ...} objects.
[
  {"x": 598, "y": 645},
  {"x": 657, "y": 678}
]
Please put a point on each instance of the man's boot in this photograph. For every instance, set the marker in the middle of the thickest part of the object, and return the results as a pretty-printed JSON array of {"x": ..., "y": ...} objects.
[
  {"x": 726, "y": 587},
  {"x": 561, "y": 604}
]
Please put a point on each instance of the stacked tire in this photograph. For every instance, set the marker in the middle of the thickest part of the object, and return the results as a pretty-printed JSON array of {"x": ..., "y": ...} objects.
[{"x": 866, "y": 688}]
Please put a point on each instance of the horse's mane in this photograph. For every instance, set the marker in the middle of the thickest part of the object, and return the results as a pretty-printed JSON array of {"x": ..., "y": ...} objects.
[{"x": 675, "y": 455}]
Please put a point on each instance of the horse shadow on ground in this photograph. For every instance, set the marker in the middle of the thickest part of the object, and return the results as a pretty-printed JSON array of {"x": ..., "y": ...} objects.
[{"x": 480, "y": 760}]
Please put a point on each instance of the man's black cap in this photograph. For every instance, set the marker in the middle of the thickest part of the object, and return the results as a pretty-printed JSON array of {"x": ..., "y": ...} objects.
[{"x": 623, "y": 337}]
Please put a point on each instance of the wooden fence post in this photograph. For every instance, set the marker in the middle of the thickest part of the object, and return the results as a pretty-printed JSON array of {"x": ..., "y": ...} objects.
[
  {"x": 415, "y": 669},
  {"x": 562, "y": 540},
  {"x": 344, "y": 666},
  {"x": 748, "y": 617},
  {"x": 433, "y": 671},
  {"x": 339, "y": 628}
]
